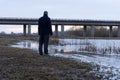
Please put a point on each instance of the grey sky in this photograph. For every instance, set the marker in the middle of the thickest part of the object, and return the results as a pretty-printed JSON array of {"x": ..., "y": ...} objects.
[
  {"x": 68, "y": 9},
  {"x": 63, "y": 9}
]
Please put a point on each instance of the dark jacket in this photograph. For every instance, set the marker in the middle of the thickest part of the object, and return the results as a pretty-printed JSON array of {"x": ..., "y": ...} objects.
[{"x": 44, "y": 26}]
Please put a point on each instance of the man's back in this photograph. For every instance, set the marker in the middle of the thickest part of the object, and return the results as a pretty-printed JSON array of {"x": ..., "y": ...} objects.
[{"x": 44, "y": 27}]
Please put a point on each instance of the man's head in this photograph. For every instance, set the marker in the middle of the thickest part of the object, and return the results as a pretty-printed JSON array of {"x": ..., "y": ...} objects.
[{"x": 45, "y": 13}]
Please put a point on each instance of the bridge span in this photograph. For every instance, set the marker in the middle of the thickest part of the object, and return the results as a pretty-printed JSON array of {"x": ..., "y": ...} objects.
[{"x": 34, "y": 21}]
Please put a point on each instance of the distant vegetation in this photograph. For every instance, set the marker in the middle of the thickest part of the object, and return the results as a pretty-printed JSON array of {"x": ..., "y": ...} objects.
[{"x": 98, "y": 32}]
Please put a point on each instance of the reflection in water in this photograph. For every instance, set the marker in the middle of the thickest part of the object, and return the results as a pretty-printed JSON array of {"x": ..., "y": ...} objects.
[
  {"x": 24, "y": 44},
  {"x": 27, "y": 44},
  {"x": 34, "y": 45},
  {"x": 62, "y": 51}
]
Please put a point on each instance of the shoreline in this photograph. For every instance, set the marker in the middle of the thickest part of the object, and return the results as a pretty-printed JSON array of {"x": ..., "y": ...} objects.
[{"x": 25, "y": 64}]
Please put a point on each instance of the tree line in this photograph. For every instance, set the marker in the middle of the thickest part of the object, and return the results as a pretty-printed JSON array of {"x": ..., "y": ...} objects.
[{"x": 98, "y": 32}]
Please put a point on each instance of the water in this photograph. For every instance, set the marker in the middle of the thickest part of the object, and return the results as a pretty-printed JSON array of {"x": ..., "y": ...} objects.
[
  {"x": 27, "y": 44},
  {"x": 109, "y": 64}
]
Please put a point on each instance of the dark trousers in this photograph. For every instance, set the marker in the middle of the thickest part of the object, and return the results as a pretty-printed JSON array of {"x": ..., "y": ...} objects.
[{"x": 43, "y": 40}]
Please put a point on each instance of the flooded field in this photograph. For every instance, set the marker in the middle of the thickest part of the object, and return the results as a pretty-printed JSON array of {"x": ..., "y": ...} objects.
[{"x": 104, "y": 53}]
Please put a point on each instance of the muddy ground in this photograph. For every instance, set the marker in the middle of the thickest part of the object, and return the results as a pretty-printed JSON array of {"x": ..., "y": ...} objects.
[{"x": 25, "y": 64}]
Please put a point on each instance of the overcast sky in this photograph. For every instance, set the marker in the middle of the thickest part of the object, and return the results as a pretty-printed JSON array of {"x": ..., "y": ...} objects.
[
  {"x": 60, "y": 9},
  {"x": 65, "y": 9}
]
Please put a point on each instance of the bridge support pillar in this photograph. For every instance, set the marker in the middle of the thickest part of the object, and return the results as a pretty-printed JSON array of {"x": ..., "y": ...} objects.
[
  {"x": 62, "y": 29},
  {"x": 92, "y": 31},
  {"x": 110, "y": 31},
  {"x": 118, "y": 31},
  {"x": 84, "y": 30},
  {"x": 29, "y": 29},
  {"x": 24, "y": 29},
  {"x": 56, "y": 30}
]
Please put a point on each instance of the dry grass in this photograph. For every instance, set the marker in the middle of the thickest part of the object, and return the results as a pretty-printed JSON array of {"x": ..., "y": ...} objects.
[
  {"x": 24, "y": 64},
  {"x": 6, "y": 40}
]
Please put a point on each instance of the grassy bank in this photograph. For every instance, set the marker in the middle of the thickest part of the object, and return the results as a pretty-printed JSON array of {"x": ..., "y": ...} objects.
[{"x": 24, "y": 64}]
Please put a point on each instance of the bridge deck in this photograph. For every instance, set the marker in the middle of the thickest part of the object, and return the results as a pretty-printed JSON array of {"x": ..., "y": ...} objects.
[{"x": 34, "y": 21}]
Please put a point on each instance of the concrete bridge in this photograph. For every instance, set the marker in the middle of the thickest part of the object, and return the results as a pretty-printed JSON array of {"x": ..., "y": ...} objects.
[{"x": 32, "y": 21}]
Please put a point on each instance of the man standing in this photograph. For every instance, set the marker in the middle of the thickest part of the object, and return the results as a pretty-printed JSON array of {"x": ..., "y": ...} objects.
[{"x": 44, "y": 30}]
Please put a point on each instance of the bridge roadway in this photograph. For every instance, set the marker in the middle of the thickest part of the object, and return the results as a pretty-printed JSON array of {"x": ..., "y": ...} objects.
[{"x": 34, "y": 21}]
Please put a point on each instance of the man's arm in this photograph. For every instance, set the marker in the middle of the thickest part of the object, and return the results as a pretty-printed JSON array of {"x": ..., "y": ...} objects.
[
  {"x": 50, "y": 28},
  {"x": 39, "y": 27}
]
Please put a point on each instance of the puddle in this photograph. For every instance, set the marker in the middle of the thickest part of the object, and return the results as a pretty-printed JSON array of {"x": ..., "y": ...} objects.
[
  {"x": 34, "y": 46},
  {"x": 109, "y": 66},
  {"x": 27, "y": 44}
]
